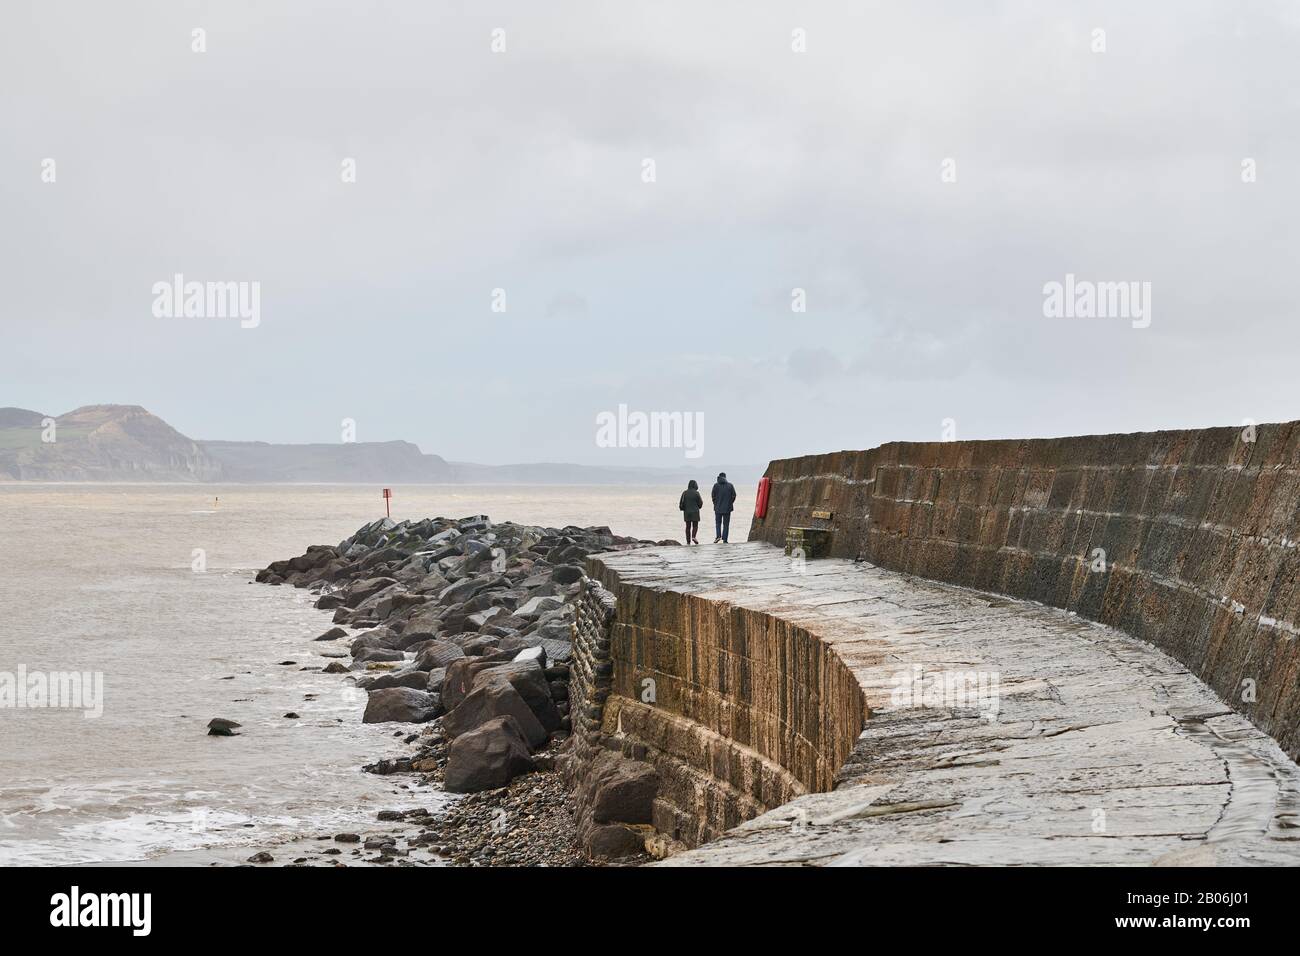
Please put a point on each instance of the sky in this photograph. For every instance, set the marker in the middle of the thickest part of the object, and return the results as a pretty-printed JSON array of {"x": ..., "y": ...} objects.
[{"x": 655, "y": 189}]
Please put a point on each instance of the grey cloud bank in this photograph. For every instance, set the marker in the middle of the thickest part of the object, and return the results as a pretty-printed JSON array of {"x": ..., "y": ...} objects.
[{"x": 825, "y": 171}]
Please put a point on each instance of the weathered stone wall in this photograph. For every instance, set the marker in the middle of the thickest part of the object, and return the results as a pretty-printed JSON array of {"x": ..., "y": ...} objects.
[
  {"x": 1185, "y": 539},
  {"x": 738, "y": 711}
]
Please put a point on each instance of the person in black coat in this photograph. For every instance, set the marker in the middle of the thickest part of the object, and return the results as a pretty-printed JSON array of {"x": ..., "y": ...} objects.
[
  {"x": 690, "y": 505},
  {"x": 724, "y": 501}
]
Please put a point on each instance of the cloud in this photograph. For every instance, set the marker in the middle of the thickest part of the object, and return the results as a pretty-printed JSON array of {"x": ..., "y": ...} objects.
[{"x": 776, "y": 170}]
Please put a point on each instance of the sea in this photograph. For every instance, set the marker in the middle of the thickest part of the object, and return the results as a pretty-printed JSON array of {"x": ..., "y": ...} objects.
[{"x": 133, "y": 605}]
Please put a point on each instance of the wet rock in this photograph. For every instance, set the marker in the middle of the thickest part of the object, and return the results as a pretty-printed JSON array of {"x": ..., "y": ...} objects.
[
  {"x": 528, "y": 680},
  {"x": 333, "y": 634},
  {"x": 460, "y": 678},
  {"x": 625, "y": 791},
  {"x": 489, "y": 701},
  {"x": 437, "y": 654},
  {"x": 404, "y": 704},
  {"x": 407, "y": 678},
  {"x": 613, "y": 840},
  {"x": 389, "y": 765},
  {"x": 377, "y": 654},
  {"x": 365, "y": 589},
  {"x": 487, "y": 757},
  {"x": 566, "y": 574},
  {"x": 221, "y": 727}
]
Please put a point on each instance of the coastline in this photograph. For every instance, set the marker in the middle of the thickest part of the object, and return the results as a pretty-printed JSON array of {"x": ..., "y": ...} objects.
[{"x": 456, "y": 634}]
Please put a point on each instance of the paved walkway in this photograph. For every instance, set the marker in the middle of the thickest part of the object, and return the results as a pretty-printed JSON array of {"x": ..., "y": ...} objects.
[{"x": 1102, "y": 749}]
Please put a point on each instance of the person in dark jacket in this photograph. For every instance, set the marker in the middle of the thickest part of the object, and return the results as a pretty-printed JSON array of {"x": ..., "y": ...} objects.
[
  {"x": 724, "y": 501},
  {"x": 690, "y": 505}
]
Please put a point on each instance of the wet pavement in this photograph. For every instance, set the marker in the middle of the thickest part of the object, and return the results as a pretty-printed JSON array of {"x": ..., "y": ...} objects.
[{"x": 1001, "y": 731}]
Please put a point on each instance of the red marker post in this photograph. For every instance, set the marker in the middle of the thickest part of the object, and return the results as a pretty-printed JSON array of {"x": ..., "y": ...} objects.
[{"x": 388, "y": 496}]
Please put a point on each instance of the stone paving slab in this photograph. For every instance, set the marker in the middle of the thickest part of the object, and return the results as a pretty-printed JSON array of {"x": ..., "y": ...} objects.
[{"x": 1092, "y": 747}]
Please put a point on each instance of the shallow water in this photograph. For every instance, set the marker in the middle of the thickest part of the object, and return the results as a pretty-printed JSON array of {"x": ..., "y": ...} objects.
[{"x": 103, "y": 579}]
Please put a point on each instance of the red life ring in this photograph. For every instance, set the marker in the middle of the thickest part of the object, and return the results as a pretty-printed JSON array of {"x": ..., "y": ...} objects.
[{"x": 760, "y": 500}]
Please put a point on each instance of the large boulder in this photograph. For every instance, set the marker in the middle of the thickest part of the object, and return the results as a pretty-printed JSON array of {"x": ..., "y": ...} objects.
[
  {"x": 487, "y": 757},
  {"x": 368, "y": 654},
  {"x": 433, "y": 581},
  {"x": 460, "y": 678},
  {"x": 624, "y": 792},
  {"x": 382, "y": 637},
  {"x": 412, "y": 636},
  {"x": 404, "y": 704},
  {"x": 537, "y": 605},
  {"x": 462, "y": 590},
  {"x": 410, "y": 678},
  {"x": 365, "y": 588},
  {"x": 566, "y": 574},
  {"x": 491, "y": 700},
  {"x": 529, "y": 681},
  {"x": 437, "y": 654}
]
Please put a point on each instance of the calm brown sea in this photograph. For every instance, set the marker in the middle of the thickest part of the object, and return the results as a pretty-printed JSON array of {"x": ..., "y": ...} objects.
[{"x": 101, "y": 579}]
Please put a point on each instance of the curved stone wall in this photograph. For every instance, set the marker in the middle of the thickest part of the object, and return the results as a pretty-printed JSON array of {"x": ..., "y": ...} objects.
[
  {"x": 738, "y": 710},
  {"x": 1185, "y": 539}
]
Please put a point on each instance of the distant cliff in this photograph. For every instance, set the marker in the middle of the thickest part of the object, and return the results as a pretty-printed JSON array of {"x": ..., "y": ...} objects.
[
  {"x": 98, "y": 443},
  {"x": 128, "y": 443},
  {"x": 394, "y": 461}
]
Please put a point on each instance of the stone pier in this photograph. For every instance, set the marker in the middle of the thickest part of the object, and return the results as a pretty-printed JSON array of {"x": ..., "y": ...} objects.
[{"x": 833, "y": 712}]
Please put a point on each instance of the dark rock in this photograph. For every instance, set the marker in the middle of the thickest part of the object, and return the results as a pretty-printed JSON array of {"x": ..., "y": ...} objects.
[
  {"x": 487, "y": 757},
  {"x": 333, "y": 634},
  {"x": 262, "y": 857},
  {"x": 491, "y": 700},
  {"x": 389, "y": 765},
  {"x": 612, "y": 841},
  {"x": 220, "y": 727},
  {"x": 625, "y": 791},
  {"x": 438, "y": 654},
  {"x": 528, "y": 680},
  {"x": 478, "y": 646},
  {"x": 380, "y": 654},
  {"x": 460, "y": 679},
  {"x": 566, "y": 574},
  {"x": 366, "y": 588},
  {"x": 335, "y": 667},
  {"x": 411, "y": 636},
  {"x": 405, "y": 678},
  {"x": 405, "y": 704},
  {"x": 462, "y": 590}
]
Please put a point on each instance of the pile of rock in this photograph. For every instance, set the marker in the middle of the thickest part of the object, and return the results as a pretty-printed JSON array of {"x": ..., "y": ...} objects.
[{"x": 465, "y": 621}]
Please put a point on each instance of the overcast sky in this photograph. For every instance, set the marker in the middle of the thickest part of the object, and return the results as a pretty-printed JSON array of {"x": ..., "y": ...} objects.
[{"x": 775, "y": 170}]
